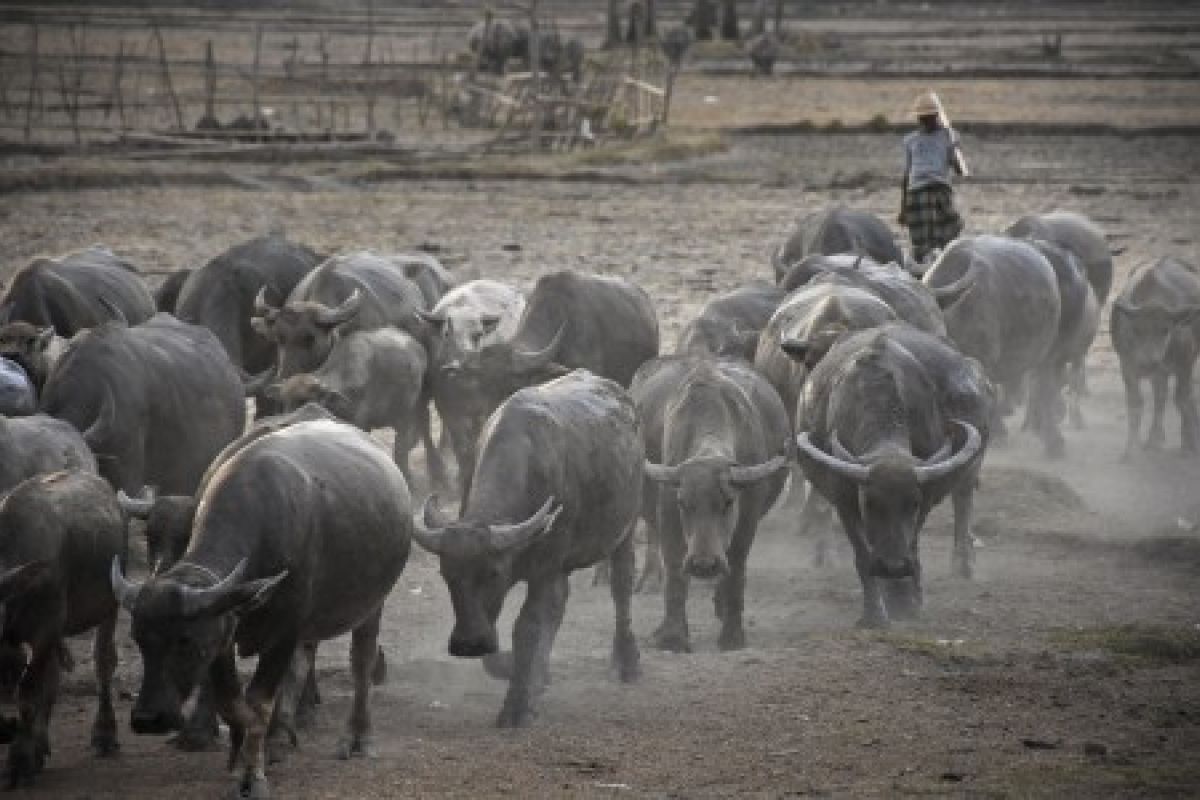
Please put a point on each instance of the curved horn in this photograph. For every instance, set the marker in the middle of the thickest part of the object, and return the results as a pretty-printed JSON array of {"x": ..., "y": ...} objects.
[
  {"x": 745, "y": 476},
  {"x": 125, "y": 590},
  {"x": 660, "y": 473},
  {"x": 504, "y": 538},
  {"x": 263, "y": 306},
  {"x": 197, "y": 601},
  {"x": 346, "y": 311},
  {"x": 140, "y": 506},
  {"x": 429, "y": 525},
  {"x": 846, "y": 469},
  {"x": 951, "y": 293},
  {"x": 527, "y": 361},
  {"x": 436, "y": 320},
  {"x": 103, "y": 426},
  {"x": 256, "y": 385},
  {"x": 840, "y": 451},
  {"x": 933, "y": 472}
]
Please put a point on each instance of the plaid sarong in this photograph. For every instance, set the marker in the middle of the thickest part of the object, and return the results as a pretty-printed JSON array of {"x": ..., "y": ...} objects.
[{"x": 931, "y": 217}]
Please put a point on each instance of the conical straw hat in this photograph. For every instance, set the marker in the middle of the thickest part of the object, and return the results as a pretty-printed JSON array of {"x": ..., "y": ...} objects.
[{"x": 927, "y": 103}]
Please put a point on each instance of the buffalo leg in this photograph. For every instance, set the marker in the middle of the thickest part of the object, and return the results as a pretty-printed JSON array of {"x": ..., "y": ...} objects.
[
  {"x": 433, "y": 456},
  {"x": 1134, "y": 405},
  {"x": 539, "y": 610},
  {"x": 281, "y": 734},
  {"x": 1044, "y": 397},
  {"x": 1185, "y": 401},
  {"x": 364, "y": 649},
  {"x": 249, "y": 714},
  {"x": 651, "y": 579},
  {"x": 1158, "y": 387},
  {"x": 732, "y": 593},
  {"x": 104, "y": 654},
  {"x": 963, "y": 499},
  {"x": 625, "y": 656},
  {"x": 874, "y": 612},
  {"x": 310, "y": 695},
  {"x": 200, "y": 729},
  {"x": 672, "y": 634},
  {"x": 1076, "y": 390},
  {"x": 36, "y": 693}
]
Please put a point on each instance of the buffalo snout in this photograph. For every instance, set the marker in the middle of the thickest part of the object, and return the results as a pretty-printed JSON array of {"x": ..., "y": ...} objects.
[
  {"x": 891, "y": 567},
  {"x": 706, "y": 566},
  {"x": 473, "y": 645}
]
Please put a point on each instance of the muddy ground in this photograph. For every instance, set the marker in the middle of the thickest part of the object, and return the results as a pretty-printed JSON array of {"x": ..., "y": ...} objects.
[{"x": 1070, "y": 667}]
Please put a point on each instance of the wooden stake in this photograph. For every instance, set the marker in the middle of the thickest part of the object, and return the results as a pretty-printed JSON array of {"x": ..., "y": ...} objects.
[
  {"x": 33, "y": 79},
  {"x": 256, "y": 114},
  {"x": 368, "y": 70},
  {"x": 115, "y": 99},
  {"x": 210, "y": 83},
  {"x": 166, "y": 76},
  {"x": 535, "y": 66}
]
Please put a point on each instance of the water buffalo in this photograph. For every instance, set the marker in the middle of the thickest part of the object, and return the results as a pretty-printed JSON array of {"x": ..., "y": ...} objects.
[
  {"x": 1078, "y": 235},
  {"x": 1078, "y": 324},
  {"x": 729, "y": 324},
  {"x": 909, "y": 298},
  {"x": 892, "y": 421},
  {"x": 603, "y": 324},
  {"x": 372, "y": 379},
  {"x": 154, "y": 401},
  {"x": 299, "y": 538},
  {"x": 18, "y": 396},
  {"x": 493, "y": 43},
  {"x": 220, "y": 295},
  {"x": 473, "y": 315},
  {"x": 433, "y": 279},
  {"x": 557, "y": 488},
  {"x": 833, "y": 230},
  {"x": 1000, "y": 300},
  {"x": 763, "y": 51},
  {"x": 1155, "y": 328},
  {"x": 717, "y": 440},
  {"x": 34, "y": 349},
  {"x": 803, "y": 329},
  {"x": 58, "y": 535},
  {"x": 37, "y": 444},
  {"x": 78, "y": 291}
]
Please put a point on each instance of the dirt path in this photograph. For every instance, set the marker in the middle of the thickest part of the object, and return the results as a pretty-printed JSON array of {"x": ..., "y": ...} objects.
[{"x": 1069, "y": 667}]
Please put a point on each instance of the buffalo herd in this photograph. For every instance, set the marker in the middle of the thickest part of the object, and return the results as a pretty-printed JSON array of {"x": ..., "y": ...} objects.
[{"x": 878, "y": 383}]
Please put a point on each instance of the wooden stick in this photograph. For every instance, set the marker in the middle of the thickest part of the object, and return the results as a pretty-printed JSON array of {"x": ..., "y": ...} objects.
[
  {"x": 367, "y": 67},
  {"x": 166, "y": 76},
  {"x": 210, "y": 82},
  {"x": 33, "y": 79},
  {"x": 535, "y": 61},
  {"x": 256, "y": 114}
]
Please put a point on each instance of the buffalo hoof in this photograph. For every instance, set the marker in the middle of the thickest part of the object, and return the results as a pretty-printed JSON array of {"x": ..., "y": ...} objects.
[
  {"x": 252, "y": 787},
  {"x": 379, "y": 671},
  {"x": 731, "y": 638},
  {"x": 280, "y": 744},
  {"x": 626, "y": 660},
  {"x": 499, "y": 665},
  {"x": 356, "y": 746},
  {"x": 197, "y": 740},
  {"x": 672, "y": 640},
  {"x": 104, "y": 742},
  {"x": 873, "y": 622},
  {"x": 515, "y": 716}
]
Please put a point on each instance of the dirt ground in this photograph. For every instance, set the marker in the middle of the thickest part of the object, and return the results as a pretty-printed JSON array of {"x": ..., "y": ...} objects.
[{"x": 1070, "y": 666}]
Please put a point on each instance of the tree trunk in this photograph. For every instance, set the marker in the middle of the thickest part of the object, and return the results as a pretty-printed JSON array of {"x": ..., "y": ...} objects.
[
  {"x": 729, "y": 20},
  {"x": 778, "y": 16},
  {"x": 758, "y": 23},
  {"x": 702, "y": 18},
  {"x": 612, "y": 36}
]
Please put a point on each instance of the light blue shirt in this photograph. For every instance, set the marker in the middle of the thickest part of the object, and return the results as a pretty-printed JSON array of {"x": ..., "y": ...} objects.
[{"x": 929, "y": 156}]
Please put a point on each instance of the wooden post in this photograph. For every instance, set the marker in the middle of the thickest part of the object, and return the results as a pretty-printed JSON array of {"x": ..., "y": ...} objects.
[
  {"x": 210, "y": 84},
  {"x": 166, "y": 76},
  {"x": 535, "y": 63},
  {"x": 116, "y": 99},
  {"x": 33, "y": 79},
  {"x": 256, "y": 115},
  {"x": 323, "y": 44},
  {"x": 368, "y": 70}
]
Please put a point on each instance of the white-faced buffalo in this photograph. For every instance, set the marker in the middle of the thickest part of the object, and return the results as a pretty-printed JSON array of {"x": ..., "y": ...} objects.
[
  {"x": 372, "y": 379},
  {"x": 893, "y": 420},
  {"x": 78, "y": 291},
  {"x": 18, "y": 396},
  {"x": 156, "y": 402},
  {"x": 34, "y": 349},
  {"x": 717, "y": 440},
  {"x": 220, "y": 295},
  {"x": 729, "y": 324},
  {"x": 557, "y": 488},
  {"x": 909, "y": 298},
  {"x": 58, "y": 535},
  {"x": 1078, "y": 235},
  {"x": 1156, "y": 332},
  {"x": 471, "y": 316},
  {"x": 999, "y": 297},
  {"x": 38, "y": 444},
  {"x": 1078, "y": 323},
  {"x": 299, "y": 538},
  {"x": 832, "y": 230},
  {"x": 805, "y": 326},
  {"x": 603, "y": 324}
]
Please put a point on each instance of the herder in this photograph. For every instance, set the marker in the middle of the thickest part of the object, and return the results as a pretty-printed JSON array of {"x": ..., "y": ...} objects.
[{"x": 927, "y": 198}]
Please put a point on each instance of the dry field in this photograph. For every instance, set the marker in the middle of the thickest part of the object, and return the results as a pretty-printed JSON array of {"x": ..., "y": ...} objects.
[{"x": 1070, "y": 667}]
